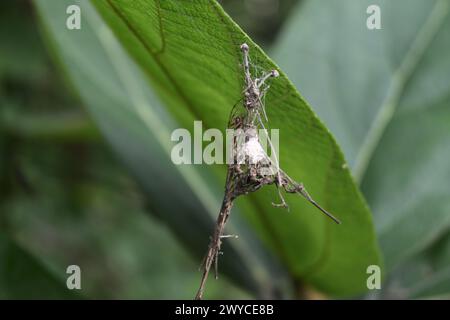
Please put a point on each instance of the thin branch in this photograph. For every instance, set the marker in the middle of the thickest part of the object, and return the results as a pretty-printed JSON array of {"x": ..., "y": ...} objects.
[{"x": 216, "y": 241}]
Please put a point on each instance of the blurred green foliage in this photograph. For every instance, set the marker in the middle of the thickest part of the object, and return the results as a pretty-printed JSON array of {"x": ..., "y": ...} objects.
[{"x": 385, "y": 95}]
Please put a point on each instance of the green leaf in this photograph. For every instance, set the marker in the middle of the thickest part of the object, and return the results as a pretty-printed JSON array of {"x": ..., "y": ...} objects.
[
  {"x": 120, "y": 101},
  {"x": 385, "y": 95},
  {"x": 190, "y": 52},
  {"x": 22, "y": 276}
]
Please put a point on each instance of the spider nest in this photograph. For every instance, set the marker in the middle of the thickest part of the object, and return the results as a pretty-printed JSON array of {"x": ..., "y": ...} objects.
[{"x": 251, "y": 168}]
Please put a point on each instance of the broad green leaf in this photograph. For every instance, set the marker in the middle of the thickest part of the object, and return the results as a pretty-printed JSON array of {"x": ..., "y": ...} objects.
[
  {"x": 385, "y": 95},
  {"x": 190, "y": 51},
  {"x": 22, "y": 276},
  {"x": 120, "y": 101}
]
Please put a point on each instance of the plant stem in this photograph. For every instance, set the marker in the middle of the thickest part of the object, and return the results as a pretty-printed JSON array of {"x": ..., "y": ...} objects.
[{"x": 216, "y": 240}]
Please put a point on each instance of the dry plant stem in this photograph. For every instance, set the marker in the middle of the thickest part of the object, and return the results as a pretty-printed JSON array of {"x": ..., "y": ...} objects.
[
  {"x": 251, "y": 175},
  {"x": 216, "y": 241}
]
